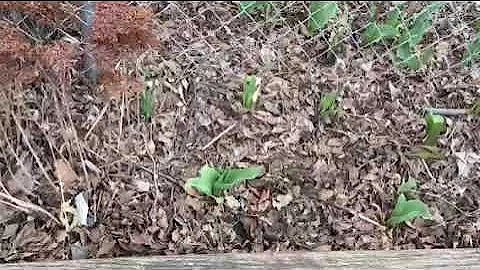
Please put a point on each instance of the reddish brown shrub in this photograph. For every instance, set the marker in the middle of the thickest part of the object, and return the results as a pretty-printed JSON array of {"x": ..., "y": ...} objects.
[
  {"x": 46, "y": 12},
  {"x": 119, "y": 32}
]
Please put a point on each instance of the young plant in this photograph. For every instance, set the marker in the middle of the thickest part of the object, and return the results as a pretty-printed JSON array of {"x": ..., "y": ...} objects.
[
  {"x": 213, "y": 182},
  {"x": 378, "y": 32},
  {"x": 329, "y": 105},
  {"x": 435, "y": 127},
  {"x": 250, "y": 91},
  {"x": 147, "y": 103},
  {"x": 252, "y": 6},
  {"x": 475, "y": 109},
  {"x": 408, "y": 209},
  {"x": 407, "y": 53},
  {"x": 472, "y": 53},
  {"x": 320, "y": 14},
  {"x": 405, "y": 34}
]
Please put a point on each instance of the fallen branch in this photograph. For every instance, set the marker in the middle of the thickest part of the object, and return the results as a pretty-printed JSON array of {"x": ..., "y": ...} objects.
[{"x": 448, "y": 112}]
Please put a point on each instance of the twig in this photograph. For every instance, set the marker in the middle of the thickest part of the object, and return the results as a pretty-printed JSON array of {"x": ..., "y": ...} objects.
[
  {"x": 428, "y": 170},
  {"x": 21, "y": 205},
  {"x": 361, "y": 216},
  {"x": 120, "y": 124},
  {"x": 451, "y": 112},
  {"x": 219, "y": 136},
  {"x": 97, "y": 120},
  {"x": 32, "y": 151}
]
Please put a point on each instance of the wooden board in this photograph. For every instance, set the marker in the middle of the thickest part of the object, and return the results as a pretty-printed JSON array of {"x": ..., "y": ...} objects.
[{"x": 413, "y": 259}]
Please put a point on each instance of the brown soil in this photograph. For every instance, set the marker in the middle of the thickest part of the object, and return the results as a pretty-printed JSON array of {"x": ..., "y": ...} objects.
[{"x": 327, "y": 186}]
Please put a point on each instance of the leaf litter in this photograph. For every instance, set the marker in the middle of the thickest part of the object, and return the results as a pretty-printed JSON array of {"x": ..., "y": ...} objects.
[{"x": 325, "y": 186}]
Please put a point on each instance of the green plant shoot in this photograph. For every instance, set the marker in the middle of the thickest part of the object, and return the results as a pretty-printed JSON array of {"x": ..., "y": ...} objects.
[
  {"x": 147, "y": 103},
  {"x": 405, "y": 36},
  {"x": 213, "y": 182},
  {"x": 407, "y": 53},
  {"x": 250, "y": 91},
  {"x": 406, "y": 210},
  {"x": 251, "y": 6},
  {"x": 475, "y": 109},
  {"x": 329, "y": 105},
  {"x": 472, "y": 53},
  {"x": 409, "y": 186},
  {"x": 436, "y": 126},
  {"x": 320, "y": 14},
  {"x": 376, "y": 32}
]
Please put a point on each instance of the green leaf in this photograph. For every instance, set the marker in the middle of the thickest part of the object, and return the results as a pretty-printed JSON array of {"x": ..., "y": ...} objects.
[
  {"x": 328, "y": 105},
  {"x": 410, "y": 185},
  {"x": 213, "y": 182},
  {"x": 250, "y": 93},
  {"x": 232, "y": 177},
  {"x": 394, "y": 17},
  {"x": 147, "y": 103},
  {"x": 472, "y": 53},
  {"x": 411, "y": 37},
  {"x": 406, "y": 210},
  {"x": 375, "y": 33},
  {"x": 204, "y": 183},
  {"x": 436, "y": 126},
  {"x": 251, "y": 6},
  {"x": 320, "y": 14},
  {"x": 422, "y": 22}
]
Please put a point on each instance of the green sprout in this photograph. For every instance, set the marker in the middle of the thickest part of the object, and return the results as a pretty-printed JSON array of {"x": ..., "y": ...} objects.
[
  {"x": 475, "y": 109},
  {"x": 406, "y": 36},
  {"x": 408, "y": 209},
  {"x": 147, "y": 103},
  {"x": 213, "y": 181},
  {"x": 329, "y": 105},
  {"x": 320, "y": 14},
  {"x": 250, "y": 91},
  {"x": 252, "y": 6},
  {"x": 436, "y": 126}
]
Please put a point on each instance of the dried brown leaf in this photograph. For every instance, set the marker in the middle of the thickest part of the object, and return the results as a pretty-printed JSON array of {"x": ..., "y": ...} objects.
[{"x": 65, "y": 173}]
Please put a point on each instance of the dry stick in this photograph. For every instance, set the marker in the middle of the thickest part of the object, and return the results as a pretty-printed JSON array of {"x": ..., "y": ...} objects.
[
  {"x": 15, "y": 206},
  {"x": 360, "y": 215},
  {"x": 27, "y": 205},
  {"x": 448, "y": 112},
  {"x": 32, "y": 151},
  {"x": 122, "y": 109},
  {"x": 219, "y": 136},
  {"x": 104, "y": 110}
]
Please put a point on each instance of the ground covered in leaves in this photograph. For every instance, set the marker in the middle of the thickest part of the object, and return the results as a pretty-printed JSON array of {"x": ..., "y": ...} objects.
[{"x": 328, "y": 185}]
